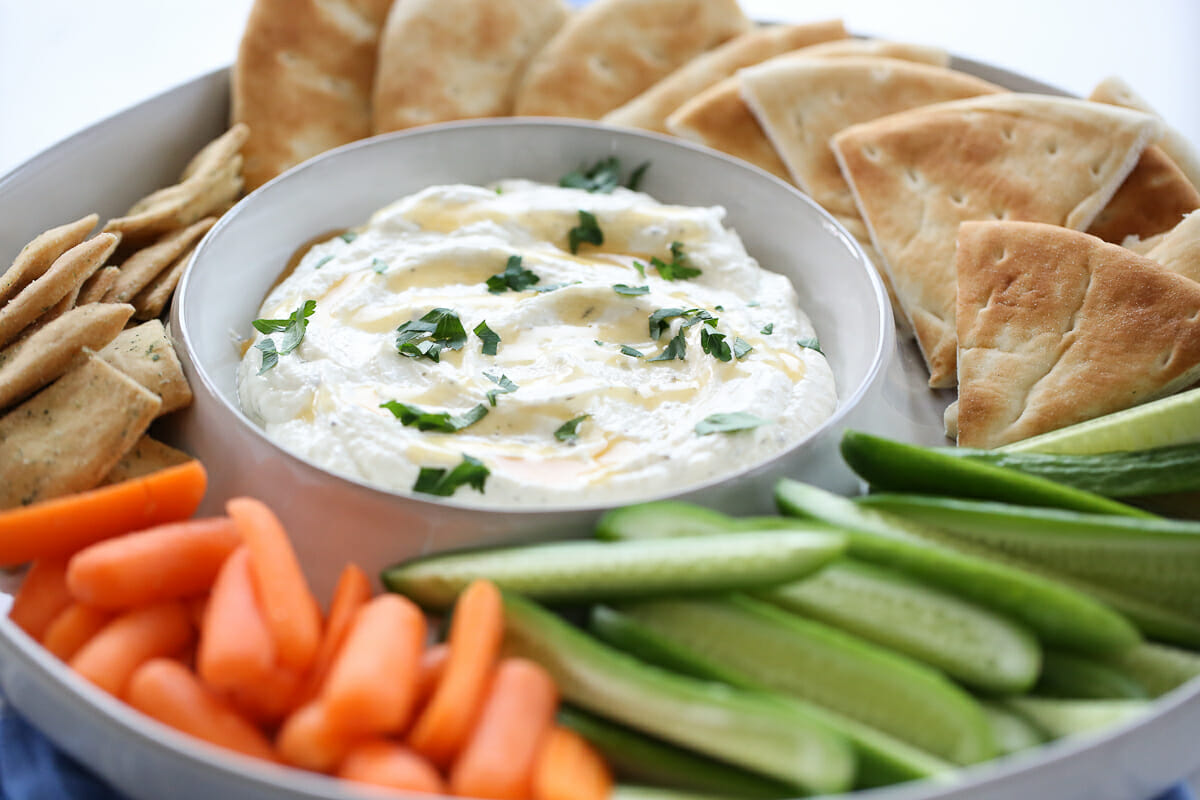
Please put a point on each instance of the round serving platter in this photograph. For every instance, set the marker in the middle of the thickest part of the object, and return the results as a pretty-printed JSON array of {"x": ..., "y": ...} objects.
[{"x": 108, "y": 166}]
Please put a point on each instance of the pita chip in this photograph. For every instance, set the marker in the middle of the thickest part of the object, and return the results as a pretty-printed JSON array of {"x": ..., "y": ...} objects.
[
  {"x": 146, "y": 354},
  {"x": 147, "y": 456},
  {"x": 916, "y": 175},
  {"x": 457, "y": 59},
  {"x": 650, "y": 109},
  {"x": 302, "y": 79},
  {"x": 876, "y": 48},
  {"x": 1152, "y": 200},
  {"x": 1179, "y": 248},
  {"x": 95, "y": 287},
  {"x": 720, "y": 119},
  {"x": 610, "y": 51},
  {"x": 1057, "y": 327},
  {"x": 141, "y": 268},
  {"x": 1176, "y": 146},
  {"x": 37, "y": 256},
  {"x": 151, "y": 301}
]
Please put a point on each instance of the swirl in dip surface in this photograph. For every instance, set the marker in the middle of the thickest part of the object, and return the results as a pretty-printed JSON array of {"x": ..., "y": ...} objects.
[{"x": 560, "y": 343}]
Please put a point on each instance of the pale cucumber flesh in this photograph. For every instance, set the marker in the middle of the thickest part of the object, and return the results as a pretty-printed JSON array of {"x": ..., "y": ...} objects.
[
  {"x": 1059, "y": 718},
  {"x": 660, "y": 520},
  {"x": 1011, "y": 731},
  {"x": 1127, "y": 473}
]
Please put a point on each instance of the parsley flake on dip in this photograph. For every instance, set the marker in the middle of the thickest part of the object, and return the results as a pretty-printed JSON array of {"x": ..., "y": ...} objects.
[{"x": 532, "y": 345}]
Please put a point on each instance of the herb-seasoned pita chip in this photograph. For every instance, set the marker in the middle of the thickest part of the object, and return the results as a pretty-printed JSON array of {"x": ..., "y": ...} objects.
[
  {"x": 204, "y": 194},
  {"x": 1179, "y": 248},
  {"x": 612, "y": 50},
  {"x": 64, "y": 276},
  {"x": 877, "y": 48},
  {"x": 1152, "y": 200},
  {"x": 916, "y": 175},
  {"x": 37, "y": 256},
  {"x": 96, "y": 287},
  {"x": 151, "y": 301},
  {"x": 51, "y": 351},
  {"x": 217, "y": 153},
  {"x": 650, "y": 109},
  {"x": 720, "y": 119},
  {"x": 1119, "y": 93},
  {"x": 457, "y": 59},
  {"x": 1056, "y": 327},
  {"x": 67, "y": 437},
  {"x": 302, "y": 79},
  {"x": 147, "y": 456},
  {"x": 141, "y": 268},
  {"x": 146, "y": 354}
]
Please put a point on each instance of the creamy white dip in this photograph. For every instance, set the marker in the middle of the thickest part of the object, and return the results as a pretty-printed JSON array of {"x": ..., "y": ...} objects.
[{"x": 562, "y": 348}]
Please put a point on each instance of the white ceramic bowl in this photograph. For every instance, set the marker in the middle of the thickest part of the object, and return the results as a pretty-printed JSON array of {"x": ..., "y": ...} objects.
[{"x": 332, "y": 518}]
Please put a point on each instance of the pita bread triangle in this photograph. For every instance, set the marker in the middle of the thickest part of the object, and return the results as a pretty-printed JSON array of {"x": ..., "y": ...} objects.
[
  {"x": 1153, "y": 199},
  {"x": 1179, "y": 249},
  {"x": 1117, "y": 92},
  {"x": 1057, "y": 327},
  {"x": 916, "y": 175},
  {"x": 719, "y": 118}
]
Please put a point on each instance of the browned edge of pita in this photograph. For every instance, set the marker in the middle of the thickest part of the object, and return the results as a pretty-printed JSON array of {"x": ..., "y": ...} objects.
[
  {"x": 1056, "y": 327},
  {"x": 146, "y": 354},
  {"x": 37, "y": 256},
  {"x": 719, "y": 118},
  {"x": 1152, "y": 200},
  {"x": 1117, "y": 92}
]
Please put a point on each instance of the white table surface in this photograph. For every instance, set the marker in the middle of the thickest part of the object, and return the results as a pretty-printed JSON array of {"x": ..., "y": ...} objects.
[{"x": 65, "y": 64}]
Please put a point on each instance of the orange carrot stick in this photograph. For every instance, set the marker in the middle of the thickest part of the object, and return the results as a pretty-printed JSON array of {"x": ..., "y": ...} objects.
[
  {"x": 352, "y": 593},
  {"x": 498, "y": 759},
  {"x": 385, "y": 763},
  {"x": 63, "y": 525},
  {"x": 568, "y": 768},
  {"x": 42, "y": 597},
  {"x": 308, "y": 740},
  {"x": 168, "y": 692},
  {"x": 289, "y": 607},
  {"x": 236, "y": 649},
  {"x": 432, "y": 668},
  {"x": 130, "y": 640},
  {"x": 276, "y": 697},
  {"x": 372, "y": 684},
  {"x": 476, "y": 630},
  {"x": 74, "y": 628},
  {"x": 167, "y": 562}
]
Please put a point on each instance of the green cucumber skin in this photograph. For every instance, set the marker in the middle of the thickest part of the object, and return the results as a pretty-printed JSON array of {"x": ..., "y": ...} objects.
[
  {"x": 1056, "y": 613},
  {"x": 1154, "y": 559},
  {"x": 1012, "y": 732},
  {"x": 585, "y": 571},
  {"x": 1160, "y": 668},
  {"x": 628, "y": 791},
  {"x": 660, "y": 520},
  {"x": 972, "y": 644},
  {"x": 895, "y": 466},
  {"x": 789, "y": 655},
  {"x": 1059, "y": 718},
  {"x": 739, "y": 727},
  {"x": 1128, "y": 473},
  {"x": 882, "y": 759},
  {"x": 636, "y": 757},
  {"x": 1068, "y": 676}
]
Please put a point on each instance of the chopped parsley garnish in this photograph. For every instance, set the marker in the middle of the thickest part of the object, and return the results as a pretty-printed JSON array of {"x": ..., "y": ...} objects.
[
  {"x": 553, "y": 287},
  {"x": 514, "y": 277},
  {"x": 635, "y": 177},
  {"x": 586, "y": 231},
  {"x": 603, "y": 176},
  {"x": 379, "y": 265},
  {"x": 715, "y": 345},
  {"x": 436, "y": 480},
  {"x": 427, "y": 337},
  {"x": 490, "y": 338},
  {"x": 677, "y": 269},
  {"x": 659, "y": 319},
  {"x": 440, "y": 421},
  {"x": 641, "y": 268},
  {"x": 630, "y": 291},
  {"x": 325, "y": 260},
  {"x": 753, "y": 304},
  {"x": 348, "y": 236},
  {"x": 811, "y": 343},
  {"x": 768, "y": 329},
  {"x": 676, "y": 348},
  {"x": 740, "y": 348},
  {"x": 629, "y": 351},
  {"x": 293, "y": 329},
  {"x": 506, "y": 387},
  {"x": 568, "y": 431},
  {"x": 728, "y": 423}
]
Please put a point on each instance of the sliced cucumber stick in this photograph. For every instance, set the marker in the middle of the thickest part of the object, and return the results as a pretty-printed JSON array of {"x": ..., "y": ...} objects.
[
  {"x": 970, "y": 643},
  {"x": 1056, "y": 613},
  {"x": 1059, "y": 718},
  {"x": 632, "y": 791},
  {"x": 1156, "y": 666},
  {"x": 1070, "y": 676},
  {"x": 587, "y": 570},
  {"x": 739, "y": 727},
  {"x": 1011, "y": 731},
  {"x": 661, "y": 520}
]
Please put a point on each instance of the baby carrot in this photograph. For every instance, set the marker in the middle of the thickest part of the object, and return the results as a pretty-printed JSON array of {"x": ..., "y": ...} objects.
[
  {"x": 308, "y": 740},
  {"x": 568, "y": 768},
  {"x": 385, "y": 763},
  {"x": 372, "y": 684},
  {"x": 167, "y": 562},
  {"x": 236, "y": 650},
  {"x": 289, "y": 607},
  {"x": 73, "y": 628},
  {"x": 430, "y": 672},
  {"x": 167, "y": 691},
  {"x": 42, "y": 597},
  {"x": 476, "y": 630},
  {"x": 130, "y": 640},
  {"x": 63, "y": 525},
  {"x": 273, "y": 699},
  {"x": 498, "y": 759},
  {"x": 352, "y": 592}
]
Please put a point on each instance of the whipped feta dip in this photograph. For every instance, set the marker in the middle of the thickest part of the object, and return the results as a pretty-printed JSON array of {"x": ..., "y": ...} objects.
[{"x": 572, "y": 345}]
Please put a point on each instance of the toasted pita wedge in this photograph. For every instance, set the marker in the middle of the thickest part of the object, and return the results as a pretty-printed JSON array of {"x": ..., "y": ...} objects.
[
  {"x": 1179, "y": 248},
  {"x": 916, "y": 175},
  {"x": 96, "y": 287},
  {"x": 147, "y": 456},
  {"x": 877, "y": 48},
  {"x": 720, "y": 119},
  {"x": 204, "y": 194},
  {"x": 146, "y": 354},
  {"x": 302, "y": 79},
  {"x": 650, "y": 109},
  {"x": 151, "y": 301},
  {"x": 457, "y": 59},
  {"x": 610, "y": 51},
  {"x": 65, "y": 275},
  {"x": 70, "y": 435},
  {"x": 1119, "y": 93},
  {"x": 47, "y": 354},
  {"x": 1056, "y": 327},
  {"x": 1152, "y": 200},
  {"x": 141, "y": 268},
  {"x": 37, "y": 256}
]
